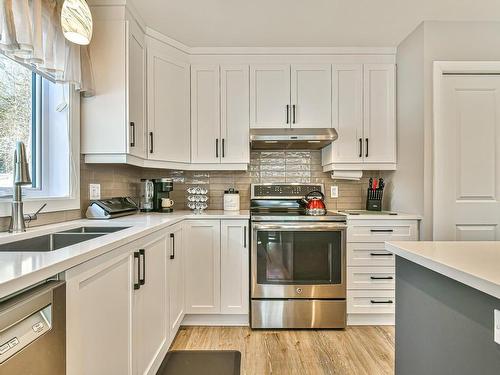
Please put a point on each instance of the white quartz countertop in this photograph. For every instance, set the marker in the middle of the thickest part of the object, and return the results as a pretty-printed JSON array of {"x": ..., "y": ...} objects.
[
  {"x": 19, "y": 270},
  {"x": 476, "y": 264}
]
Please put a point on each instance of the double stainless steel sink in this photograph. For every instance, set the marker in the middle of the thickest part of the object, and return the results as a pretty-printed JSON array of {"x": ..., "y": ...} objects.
[{"x": 58, "y": 240}]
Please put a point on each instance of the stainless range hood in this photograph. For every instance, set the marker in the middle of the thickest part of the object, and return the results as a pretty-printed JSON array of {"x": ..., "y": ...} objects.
[{"x": 291, "y": 139}]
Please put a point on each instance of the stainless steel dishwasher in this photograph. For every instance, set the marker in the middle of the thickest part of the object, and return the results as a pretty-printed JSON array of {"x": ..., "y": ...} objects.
[{"x": 33, "y": 331}]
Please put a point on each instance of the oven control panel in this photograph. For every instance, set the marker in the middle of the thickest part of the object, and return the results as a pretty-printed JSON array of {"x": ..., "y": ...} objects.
[{"x": 263, "y": 191}]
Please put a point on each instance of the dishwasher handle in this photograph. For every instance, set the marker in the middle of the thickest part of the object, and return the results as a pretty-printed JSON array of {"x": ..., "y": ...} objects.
[{"x": 28, "y": 303}]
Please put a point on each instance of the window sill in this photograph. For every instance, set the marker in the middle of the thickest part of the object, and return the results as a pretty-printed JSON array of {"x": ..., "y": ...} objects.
[{"x": 31, "y": 205}]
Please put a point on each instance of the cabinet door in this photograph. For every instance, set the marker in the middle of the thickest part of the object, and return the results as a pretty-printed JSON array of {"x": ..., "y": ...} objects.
[
  {"x": 202, "y": 266},
  {"x": 151, "y": 320},
  {"x": 176, "y": 279},
  {"x": 347, "y": 108},
  {"x": 235, "y": 112},
  {"x": 311, "y": 96},
  {"x": 379, "y": 113},
  {"x": 205, "y": 114},
  {"x": 136, "y": 92},
  {"x": 269, "y": 96},
  {"x": 234, "y": 267},
  {"x": 169, "y": 134},
  {"x": 99, "y": 316}
]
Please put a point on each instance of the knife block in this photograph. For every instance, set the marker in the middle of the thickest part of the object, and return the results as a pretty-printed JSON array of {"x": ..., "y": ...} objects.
[{"x": 374, "y": 199}]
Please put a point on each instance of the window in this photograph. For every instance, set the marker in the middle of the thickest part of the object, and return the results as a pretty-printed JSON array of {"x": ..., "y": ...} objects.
[
  {"x": 19, "y": 114},
  {"x": 45, "y": 116}
]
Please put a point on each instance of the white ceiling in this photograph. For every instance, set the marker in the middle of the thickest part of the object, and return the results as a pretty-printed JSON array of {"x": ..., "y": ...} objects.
[{"x": 269, "y": 23}]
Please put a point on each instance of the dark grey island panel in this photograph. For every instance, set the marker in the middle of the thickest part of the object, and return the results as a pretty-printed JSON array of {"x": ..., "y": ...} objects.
[{"x": 442, "y": 326}]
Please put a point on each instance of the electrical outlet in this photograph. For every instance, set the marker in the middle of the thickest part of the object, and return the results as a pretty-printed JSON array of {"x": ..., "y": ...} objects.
[
  {"x": 334, "y": 191},
  {"x": 95, "y": 191},
  {"x": 496, "y": 327}
]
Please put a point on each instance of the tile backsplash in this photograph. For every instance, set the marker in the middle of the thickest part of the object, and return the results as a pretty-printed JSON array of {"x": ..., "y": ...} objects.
[{"x": 265, "y": 166}]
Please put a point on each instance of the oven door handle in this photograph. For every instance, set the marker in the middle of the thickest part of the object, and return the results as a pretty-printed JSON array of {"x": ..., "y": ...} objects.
[{"x": 302, "y": 226}]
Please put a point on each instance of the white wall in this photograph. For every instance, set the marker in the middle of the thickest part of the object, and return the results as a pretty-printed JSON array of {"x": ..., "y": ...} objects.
[{"x": 431, "y": 41}]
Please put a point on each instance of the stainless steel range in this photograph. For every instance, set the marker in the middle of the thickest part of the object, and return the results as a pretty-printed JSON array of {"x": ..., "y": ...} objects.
[{"x": 298, "y": 262}]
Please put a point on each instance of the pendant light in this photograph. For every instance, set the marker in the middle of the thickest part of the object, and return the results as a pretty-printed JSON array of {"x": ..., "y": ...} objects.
[{"x": 76, "y": 21}]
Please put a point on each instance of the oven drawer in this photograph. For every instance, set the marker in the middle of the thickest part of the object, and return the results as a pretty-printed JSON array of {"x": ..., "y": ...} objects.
[
  {"x": 382, "y": 230},
  {"x": 371, "y": 277},
  {"x": 371, "y": 302},
  {"x": 369, "y": 254}
]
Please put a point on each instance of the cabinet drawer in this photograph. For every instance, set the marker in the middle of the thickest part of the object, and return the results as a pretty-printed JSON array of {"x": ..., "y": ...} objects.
[
  {"x": 371, "y": 302},
  {"x": 368, "y": 254},
  {"x": 370, "y": 277},
  {"x": 383, "y": 230}
]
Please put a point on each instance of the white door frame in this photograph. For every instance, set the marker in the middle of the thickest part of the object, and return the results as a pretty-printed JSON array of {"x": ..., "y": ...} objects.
[{"x": 439, "y": 69}]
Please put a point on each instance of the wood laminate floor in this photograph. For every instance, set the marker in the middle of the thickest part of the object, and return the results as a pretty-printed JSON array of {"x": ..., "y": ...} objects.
[{"x": 356, "y": 350}]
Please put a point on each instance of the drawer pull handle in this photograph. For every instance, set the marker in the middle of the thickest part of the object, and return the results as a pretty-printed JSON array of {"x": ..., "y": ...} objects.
[
  {"x": 381, "y": 277},
  {"x": 381, "y": 230},
  {"x": 381, "y": 254},
  {"x": 388, "y": 302}
]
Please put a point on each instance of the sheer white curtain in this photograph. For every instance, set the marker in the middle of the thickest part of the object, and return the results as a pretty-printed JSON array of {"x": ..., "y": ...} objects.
[{"x": 30, "y": 32}]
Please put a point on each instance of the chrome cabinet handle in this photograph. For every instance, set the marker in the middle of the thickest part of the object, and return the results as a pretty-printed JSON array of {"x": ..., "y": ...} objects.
[
  {"x": 142, "y": 253},
  {"x": 137, "y": 285},
  {"x": 172, "y": 239},
  {"x": 132, "y": 142}
]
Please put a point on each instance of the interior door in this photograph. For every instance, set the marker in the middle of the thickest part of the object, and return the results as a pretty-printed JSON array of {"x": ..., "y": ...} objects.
[
  {"x": 347, "y": 108},
  {"x": 235, "y": 113},
  {"x": 311, "y": 96},
  {"x": 467, "y": 159},
  {"x": 176, "y": 279},
  {"x": 379, "y": 145},
  {"x": 206, "y": 142},
  {"x": 136, "y": 92},
  {"x": 169, "y": 134},
  {"x": 270, "y": 96},
  {"x": 151, "y": 313}
]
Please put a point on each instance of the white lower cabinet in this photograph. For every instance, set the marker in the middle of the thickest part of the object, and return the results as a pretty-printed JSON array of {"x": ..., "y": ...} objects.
[
  {"x": 151, "y": 313},
  {"x": 202, "y": 266},
  {"x": 371, "y": 269},
  {"x": 175, "y": 278},
  {"x": 216, "y": 266}
]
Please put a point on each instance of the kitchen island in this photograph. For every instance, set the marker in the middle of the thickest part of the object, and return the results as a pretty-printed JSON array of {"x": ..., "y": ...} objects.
[{"x": 446, "y": 294}]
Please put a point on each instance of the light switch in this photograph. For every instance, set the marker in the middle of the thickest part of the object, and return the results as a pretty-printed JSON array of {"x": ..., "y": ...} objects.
[
  {"x": 95, "y": 191},
  {"x": 334, "y": 191},
  {"x": 496, "y": 327}
]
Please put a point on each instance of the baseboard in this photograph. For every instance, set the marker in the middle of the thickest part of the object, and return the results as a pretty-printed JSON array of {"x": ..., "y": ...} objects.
[
  {"x": 237, "y": 320},
  {"x": 370, "y": 319}
]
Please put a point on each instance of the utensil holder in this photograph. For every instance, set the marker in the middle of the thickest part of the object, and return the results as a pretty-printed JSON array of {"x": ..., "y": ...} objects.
[{"x": 374, "y": 199}]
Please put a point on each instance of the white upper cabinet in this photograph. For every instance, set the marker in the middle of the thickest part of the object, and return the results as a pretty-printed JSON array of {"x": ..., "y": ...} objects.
[
  {"x": 220, "y": 114},
  {"x": 347, "y": 108},
  {"x": 269, "y": 96},
  {"x": 205, "y": 114},
  {"x": 364, "y": 108},
  {"x": 311, "y": 96},
  {"x": 113, "y": 121},
  {"x": 379, "y": 113},
  {"x": 235, "y": 113},
  {"x": 168, "y": 105}
]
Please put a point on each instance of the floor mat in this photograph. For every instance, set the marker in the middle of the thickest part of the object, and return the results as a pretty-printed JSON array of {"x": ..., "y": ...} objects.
[{"x": 201, "y": 362}]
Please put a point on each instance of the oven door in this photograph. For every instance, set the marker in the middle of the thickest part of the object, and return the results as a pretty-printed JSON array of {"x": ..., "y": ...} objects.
[{"x": 298, "y": 260}]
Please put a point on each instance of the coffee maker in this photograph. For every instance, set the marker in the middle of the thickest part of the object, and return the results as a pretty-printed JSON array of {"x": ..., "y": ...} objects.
[{"x": 161, "y": 196}]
